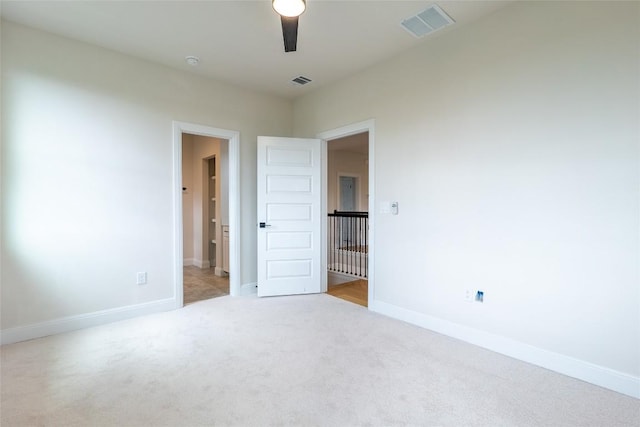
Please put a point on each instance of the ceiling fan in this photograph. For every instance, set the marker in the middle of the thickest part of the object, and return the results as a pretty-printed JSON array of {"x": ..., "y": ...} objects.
[{"x": 289, "y": 11}]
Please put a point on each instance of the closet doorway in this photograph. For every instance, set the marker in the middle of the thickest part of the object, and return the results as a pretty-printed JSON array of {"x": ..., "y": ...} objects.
[{"x": 205, "y": 213}]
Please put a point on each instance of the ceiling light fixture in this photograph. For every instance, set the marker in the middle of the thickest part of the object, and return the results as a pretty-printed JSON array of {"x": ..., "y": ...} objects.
[
  {"x": 192, "y": 60},
  {"x": 289, "y": 8}
]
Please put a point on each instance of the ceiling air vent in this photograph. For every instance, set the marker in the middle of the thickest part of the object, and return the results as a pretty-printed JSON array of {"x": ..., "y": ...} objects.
[
  {"x": 428, "y": 21},
  {"x": 301, "y": 80}
]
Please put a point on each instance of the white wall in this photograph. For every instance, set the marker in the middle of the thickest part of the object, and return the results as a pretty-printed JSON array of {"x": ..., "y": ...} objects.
[
  {"x": 87, "y": 148},
  {"x": 511, "y": 145}
]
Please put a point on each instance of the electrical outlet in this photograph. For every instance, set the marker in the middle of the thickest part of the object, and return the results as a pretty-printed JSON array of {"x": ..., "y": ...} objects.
[{"x": 141, "y": 278}]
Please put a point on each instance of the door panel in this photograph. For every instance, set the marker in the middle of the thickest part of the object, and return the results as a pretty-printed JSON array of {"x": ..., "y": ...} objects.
[
  {"x": 289, "y": 214},
  {"x": 347, "y": 193},
  {"x": 300, "y": 184},
  {"x": 292, "y": 240}
]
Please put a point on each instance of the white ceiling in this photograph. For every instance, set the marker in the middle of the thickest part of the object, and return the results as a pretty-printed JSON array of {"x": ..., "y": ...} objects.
[{"x": 240, "y": 41}]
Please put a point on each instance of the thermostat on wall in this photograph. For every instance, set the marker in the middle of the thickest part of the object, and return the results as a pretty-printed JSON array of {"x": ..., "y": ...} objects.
[
  {"x": 394, "y": 208},
  {"x": 389, "y": 208}
]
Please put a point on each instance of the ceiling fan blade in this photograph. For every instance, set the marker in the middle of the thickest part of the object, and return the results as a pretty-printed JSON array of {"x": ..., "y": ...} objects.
[{"x": 289, "y": 32}]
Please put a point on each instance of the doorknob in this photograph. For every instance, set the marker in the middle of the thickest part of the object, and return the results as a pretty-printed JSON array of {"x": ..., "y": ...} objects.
[{"x": 264, "y": 225}]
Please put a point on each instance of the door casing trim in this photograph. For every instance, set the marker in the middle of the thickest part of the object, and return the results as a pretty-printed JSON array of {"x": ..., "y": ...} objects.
[
  {"x": 234, "y": 203},
  {"x": 341, "y": 132}
]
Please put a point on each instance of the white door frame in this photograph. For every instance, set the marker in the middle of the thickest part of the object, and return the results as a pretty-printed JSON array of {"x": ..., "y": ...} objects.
[
  {"x": 234, "y": 203},
  {"x": 341, "y": 132}
]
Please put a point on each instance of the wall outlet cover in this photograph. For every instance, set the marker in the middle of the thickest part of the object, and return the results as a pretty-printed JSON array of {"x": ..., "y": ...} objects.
[
  {"x": 141, "y": 278},
  {"x": 468, "y": 295}
]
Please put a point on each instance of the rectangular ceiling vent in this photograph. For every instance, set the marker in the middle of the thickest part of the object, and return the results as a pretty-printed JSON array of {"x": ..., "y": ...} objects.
[
  {"x": 301, "y": 80},
  {"x": 428, "y": 21}
]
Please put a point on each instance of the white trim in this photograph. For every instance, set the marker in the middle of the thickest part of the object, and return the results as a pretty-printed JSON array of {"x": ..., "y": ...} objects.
[
  {"x": 335, "y": 278},
  {"x": 352, "y": 129},
  {"x": 324, "y": 180},
  {"x": 234, "y": 203},
  {"x": 585, "y": 371},
  {"x": 72, "y": 323},
  {"x": 202, "y": 263},
  {"x": 187, "y": 262},
  {"x": 218, "y": 271},
  {"x": 235, "y": 287}
]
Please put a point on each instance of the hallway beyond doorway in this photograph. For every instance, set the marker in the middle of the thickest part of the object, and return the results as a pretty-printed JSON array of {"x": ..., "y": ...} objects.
[
  {"x": 356, "y": 292},
  {"x": 201, "y": 284}
]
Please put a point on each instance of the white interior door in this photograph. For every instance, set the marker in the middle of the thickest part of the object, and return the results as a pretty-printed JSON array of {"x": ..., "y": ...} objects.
[{"x": 289, "y": 216}]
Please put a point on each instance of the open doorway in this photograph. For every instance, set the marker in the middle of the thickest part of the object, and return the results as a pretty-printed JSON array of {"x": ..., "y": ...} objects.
[
  {"x": 233, "y": 138},
  {"x": 205, "y": 213},
  {"x": 348, "y": 217}
]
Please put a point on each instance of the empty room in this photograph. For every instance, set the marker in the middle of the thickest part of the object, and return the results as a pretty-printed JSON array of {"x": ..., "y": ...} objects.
[{"x": 473, "y": 166}]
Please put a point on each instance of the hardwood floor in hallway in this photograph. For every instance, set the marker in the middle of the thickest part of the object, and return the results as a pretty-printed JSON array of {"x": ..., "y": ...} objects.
[
  {"x": 201, "y": 284},
  {"x": 356, "y": 292}
]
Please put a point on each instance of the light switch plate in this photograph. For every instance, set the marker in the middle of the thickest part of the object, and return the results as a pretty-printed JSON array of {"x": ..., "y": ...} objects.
[{"x": 141, "y": 278}]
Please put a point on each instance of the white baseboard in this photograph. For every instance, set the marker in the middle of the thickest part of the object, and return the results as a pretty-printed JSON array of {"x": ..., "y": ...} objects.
[
  {"x": 197, "y": 262},
  {"x": 201, "y": 263},
  {"x": 585, "y": 371},
  {"x": 220, "y": 272},
  {"x": 335, "y": 278},
  {"x": 249, "y": 289},
  {"x": 72, "y": 323}
]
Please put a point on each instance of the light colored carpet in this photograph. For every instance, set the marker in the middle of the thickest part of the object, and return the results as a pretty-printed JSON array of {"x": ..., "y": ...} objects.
[{"x": 301, "y": 361}]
